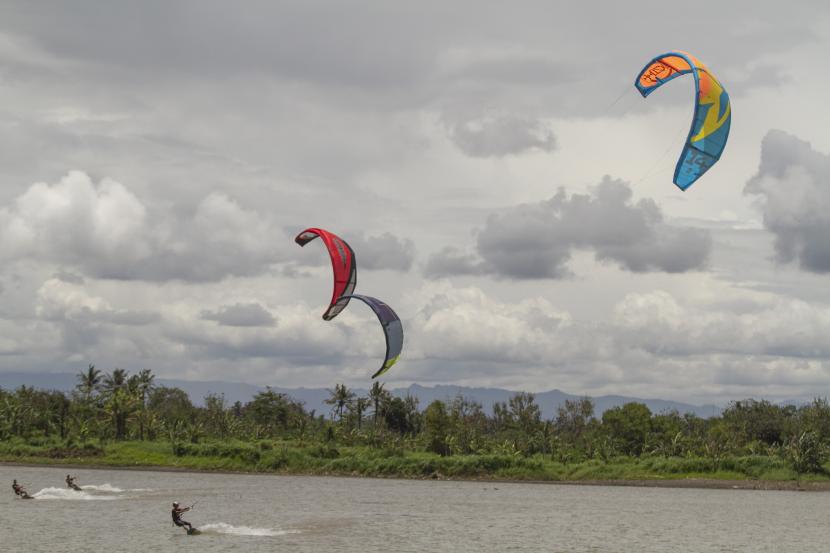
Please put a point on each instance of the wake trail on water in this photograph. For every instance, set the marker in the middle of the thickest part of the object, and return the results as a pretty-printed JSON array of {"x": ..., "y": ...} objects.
[
  {"x": 109, "y": 488},
  {"x": 71, "y": 495},
  {"x": 223, "y": 528}
]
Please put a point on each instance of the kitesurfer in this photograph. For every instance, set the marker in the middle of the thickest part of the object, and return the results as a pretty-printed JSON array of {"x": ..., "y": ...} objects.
[
  {"x": 20, "y": 491},
  {"x": 177, "y": 517},
  {"x": 70, "y": 483}
]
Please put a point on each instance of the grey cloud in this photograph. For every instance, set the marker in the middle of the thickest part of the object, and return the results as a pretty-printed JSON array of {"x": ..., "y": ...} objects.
[
  {"x": 792, "y": 186},
  {"x": 384, "y": 251},
  {"x": 521, "y": 244},
  {"x": 501, "y": 136},
  {"x": 262, "y": 347},
  {"x": 380, "y": 48},
  {"x": 764, "y": 75},
  {"x": 509, "y": 67},
  {"x": 69, "y": 277},
  {"x": 653, "y": 340},
  {"x": 291, "y": 270},
  {"x": 72, "y": 323},
  {"x": 537, "y": 240},
  {"x": 130, "y": 318},
  {"x": 240, "y": 314},
  {"x": 64, "y": 301},
  {"x": 659, "y": 324},
  {"x": 323, "y": 42},
  {"x": 661, "y": 248},
  {"x": 452, "y": 261},
  {"x": 283, "y": 343}
]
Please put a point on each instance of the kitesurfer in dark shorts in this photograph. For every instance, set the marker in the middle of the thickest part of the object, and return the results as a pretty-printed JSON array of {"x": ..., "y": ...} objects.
[
  {"x": 177, "y": 516},
  {"x": 20, "y": 490},
  {"x": 70, "y": 483}
]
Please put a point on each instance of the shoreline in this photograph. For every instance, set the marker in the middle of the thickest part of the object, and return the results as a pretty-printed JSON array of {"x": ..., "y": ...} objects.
[{"x": 677, "y": 483}]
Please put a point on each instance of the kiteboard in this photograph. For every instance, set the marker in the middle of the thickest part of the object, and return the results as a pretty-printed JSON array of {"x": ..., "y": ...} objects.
[
  {"x": 76, "y": 487},
  {"x": 193, "y": 532}
]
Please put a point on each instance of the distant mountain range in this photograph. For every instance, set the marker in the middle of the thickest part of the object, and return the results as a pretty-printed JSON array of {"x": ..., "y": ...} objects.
[{"x": 313, "y": 398}]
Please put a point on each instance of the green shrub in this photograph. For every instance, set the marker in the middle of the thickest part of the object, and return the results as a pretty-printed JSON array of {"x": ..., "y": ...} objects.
[{"x": 323, "y": 452}]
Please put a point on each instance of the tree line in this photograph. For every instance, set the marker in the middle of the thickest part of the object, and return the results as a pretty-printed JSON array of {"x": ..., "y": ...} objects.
[{"x": 119, "y": 406}]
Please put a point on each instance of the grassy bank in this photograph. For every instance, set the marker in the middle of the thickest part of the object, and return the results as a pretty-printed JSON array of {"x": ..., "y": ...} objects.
[{"x": 293, "y": 458}]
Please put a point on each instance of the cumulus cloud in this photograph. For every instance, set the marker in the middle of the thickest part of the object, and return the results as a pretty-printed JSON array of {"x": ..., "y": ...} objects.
[
  {"x": 73, "y": 323},
  {"x": 537, "y": 240},
  {"x": 240, "y": 314},
  {"x": 653, "y": 341},
  {"x": 75, "y": 220},
  {"x": 103, "y": 230},
  {"x": 466, "y": 326},
  {"x": 793, "y": 188},
  {"x": 502, "y": 136},
  {"x": 761, "y": 325},
  {"x": 60, "y": 300},
  {"x": 219, "y": 239},
  {"x": 298, "y": 338}
]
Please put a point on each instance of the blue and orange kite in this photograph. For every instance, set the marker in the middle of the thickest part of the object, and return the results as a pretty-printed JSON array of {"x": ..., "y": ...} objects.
[{"x": 712, "y": 117}]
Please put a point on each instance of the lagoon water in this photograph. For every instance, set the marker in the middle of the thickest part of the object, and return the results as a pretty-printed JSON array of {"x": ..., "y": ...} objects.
[{"x": 129, "y": 511}]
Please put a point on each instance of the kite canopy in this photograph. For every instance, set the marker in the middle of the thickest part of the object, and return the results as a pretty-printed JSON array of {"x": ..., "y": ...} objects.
[
  {"x": 712, "y": 116},
  {"x": 392, "y": 330},
  {"x": 342, "y": 263}
]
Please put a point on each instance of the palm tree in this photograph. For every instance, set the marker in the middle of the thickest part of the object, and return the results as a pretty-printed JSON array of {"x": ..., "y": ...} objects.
[
  {"x": 144, "y": 379},
  {"x": 120, "y": 393},
  {"x": 379, "y": 398},
  {"x": 341, "y": 396},
  {"x": 13, "y": 414},
  {"x": 58, "y": 406},
  {"x": 115, "y": 381},
  {"x": 142, "y": 383},
  {"x": 119, "y": 405},
  {"x": 88, "y": 381},
  {"x": 358, "y": 407}
]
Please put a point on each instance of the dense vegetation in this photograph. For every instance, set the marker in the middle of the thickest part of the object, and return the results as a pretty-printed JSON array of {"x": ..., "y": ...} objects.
[{"x": 123, "y": 419}]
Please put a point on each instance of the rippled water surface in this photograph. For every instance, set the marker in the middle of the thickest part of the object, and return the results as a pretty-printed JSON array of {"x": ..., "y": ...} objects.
[{"x": 129, "y": 511}]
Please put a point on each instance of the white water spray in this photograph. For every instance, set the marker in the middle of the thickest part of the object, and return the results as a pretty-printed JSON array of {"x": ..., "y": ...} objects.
[
  {"x": 106, "y": 488},
  {"x": 223, "y": 528},
  {"x": 70, "y": 495}
]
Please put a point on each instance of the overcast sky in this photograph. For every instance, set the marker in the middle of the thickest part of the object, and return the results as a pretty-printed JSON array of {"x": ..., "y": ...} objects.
[{"x": 505, "y": 189}]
